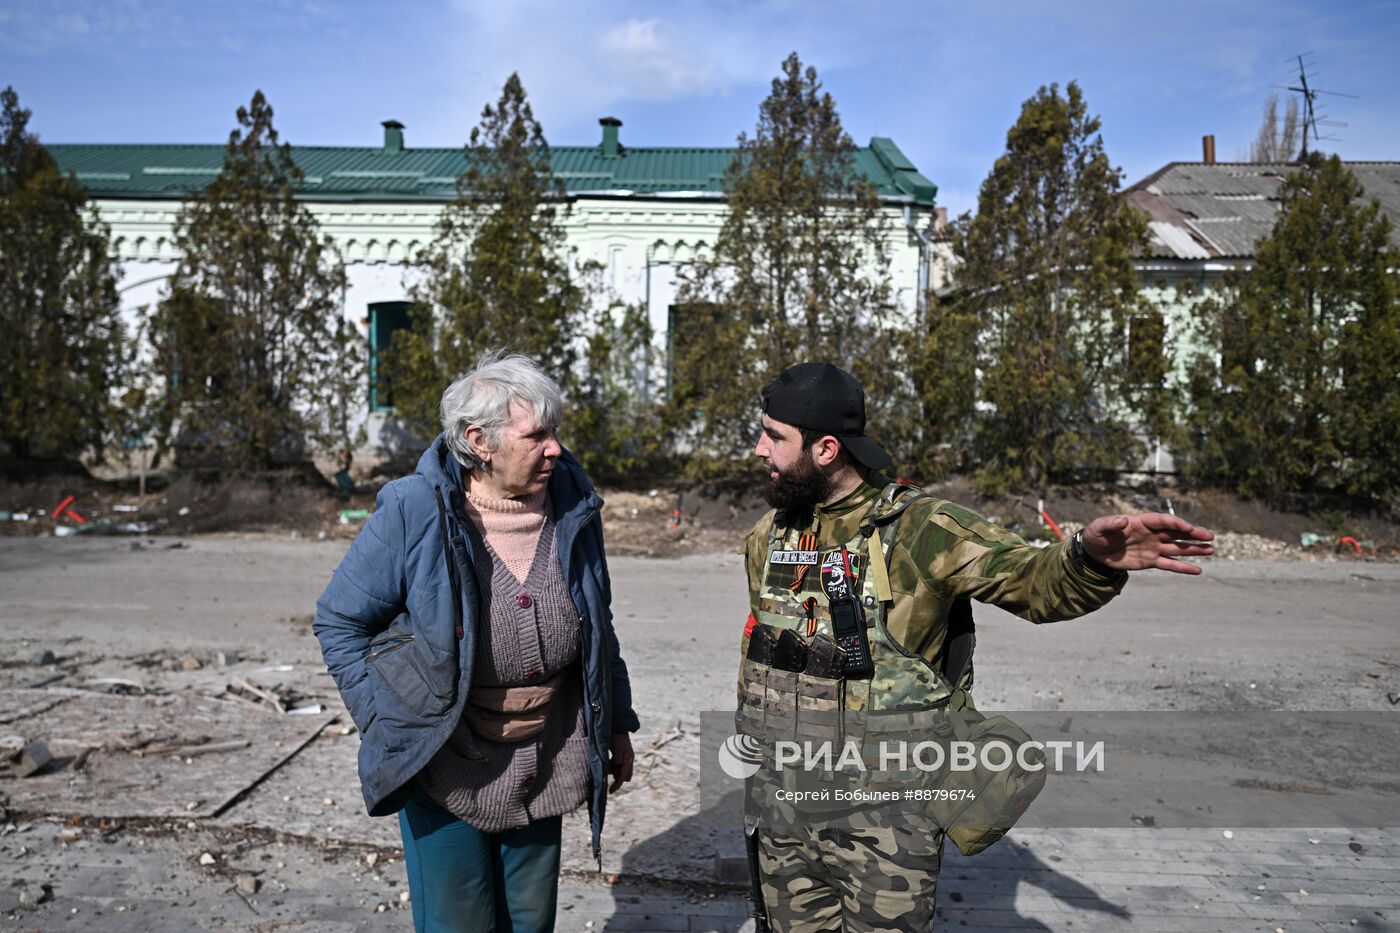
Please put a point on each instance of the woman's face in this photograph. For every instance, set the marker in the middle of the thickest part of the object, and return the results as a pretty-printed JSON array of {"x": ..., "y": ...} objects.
[{"x": 523, "y": 461}]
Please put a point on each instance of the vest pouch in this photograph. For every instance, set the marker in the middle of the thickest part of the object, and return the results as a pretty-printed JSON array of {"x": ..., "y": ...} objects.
[
  {"x": 779, "y": 706},
  {"x": 753, "y": 682},
  {"x": 978, "y": 806},
  {"x": 818, "y": 710},
  {"x": 396, "y": 664}
]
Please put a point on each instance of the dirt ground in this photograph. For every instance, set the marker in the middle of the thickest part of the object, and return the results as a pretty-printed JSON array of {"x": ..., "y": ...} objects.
[{"x": 665, "y": 521}]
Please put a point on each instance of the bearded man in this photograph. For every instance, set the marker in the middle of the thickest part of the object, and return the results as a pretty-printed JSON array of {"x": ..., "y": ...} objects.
[{"x": 885, "y": 573}]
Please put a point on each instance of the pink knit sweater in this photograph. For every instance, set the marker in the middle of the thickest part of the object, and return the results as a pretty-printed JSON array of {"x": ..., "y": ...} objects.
[{"x": 511, "y": 527}]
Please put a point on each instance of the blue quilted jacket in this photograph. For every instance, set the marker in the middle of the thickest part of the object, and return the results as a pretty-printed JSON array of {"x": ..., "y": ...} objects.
[{"x": 397, "y": 625}]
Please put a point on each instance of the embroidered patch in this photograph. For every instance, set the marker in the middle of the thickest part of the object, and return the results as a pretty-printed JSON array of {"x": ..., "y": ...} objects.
[
  {"x": 793, "y": 557},
  {"x": 834, "y": 582}
]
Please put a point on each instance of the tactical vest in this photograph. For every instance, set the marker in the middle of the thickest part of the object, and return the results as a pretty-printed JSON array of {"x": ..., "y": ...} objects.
[
  {"x": 906, "y": 698},
  {"x": 795, "y": 595}
]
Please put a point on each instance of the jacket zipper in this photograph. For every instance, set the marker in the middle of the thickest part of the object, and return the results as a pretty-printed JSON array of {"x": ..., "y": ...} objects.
[{"x": 390, "y": 648}]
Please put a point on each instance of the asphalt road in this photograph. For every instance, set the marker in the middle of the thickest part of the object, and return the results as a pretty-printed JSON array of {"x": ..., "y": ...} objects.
[{"x": 1243, "y": 636}]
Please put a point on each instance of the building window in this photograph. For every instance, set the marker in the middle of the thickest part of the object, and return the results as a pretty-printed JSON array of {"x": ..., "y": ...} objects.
[{"x": 385, "y": 317}]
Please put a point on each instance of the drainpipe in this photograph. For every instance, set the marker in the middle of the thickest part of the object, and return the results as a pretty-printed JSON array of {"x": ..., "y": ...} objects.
[{"x": 925, "y": 257}]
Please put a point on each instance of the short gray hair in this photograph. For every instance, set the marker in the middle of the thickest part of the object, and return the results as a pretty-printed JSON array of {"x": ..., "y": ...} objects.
[{"x": 484, "y": 395}]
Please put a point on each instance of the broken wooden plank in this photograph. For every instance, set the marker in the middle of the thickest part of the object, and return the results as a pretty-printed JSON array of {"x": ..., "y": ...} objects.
[
  {"x": 192, "y": 751},
  {"x": 260, "y": 693},
  {"x": 36, "y": 709},
  {"x": 242, "y": 792}
]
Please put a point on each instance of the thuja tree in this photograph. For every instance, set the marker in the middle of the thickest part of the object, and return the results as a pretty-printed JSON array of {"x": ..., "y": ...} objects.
[
  {"x": 1046, "y": 267},
  {"x": 799, "y": 271},
  {"x": 613, "y": 420},
  {"x": 59, "y": 311},
  {"x": 1301, "y": 391},
  {"x": 247, "y": 339},
  {"x": 497, "y": 274}
]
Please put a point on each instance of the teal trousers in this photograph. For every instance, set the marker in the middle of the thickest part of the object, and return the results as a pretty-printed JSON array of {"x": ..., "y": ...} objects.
[{"x": 461, "y": 879}]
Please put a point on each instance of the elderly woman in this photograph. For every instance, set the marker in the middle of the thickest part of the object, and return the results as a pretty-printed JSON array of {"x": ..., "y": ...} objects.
[{"x": 469, "y": 631}]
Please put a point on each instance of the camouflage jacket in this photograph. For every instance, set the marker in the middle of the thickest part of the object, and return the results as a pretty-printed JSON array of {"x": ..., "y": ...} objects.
[{"x": 942, "y": 552}]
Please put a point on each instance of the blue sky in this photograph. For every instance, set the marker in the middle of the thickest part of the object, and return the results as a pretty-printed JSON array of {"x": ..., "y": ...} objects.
[{"x": 945, "y": 80}]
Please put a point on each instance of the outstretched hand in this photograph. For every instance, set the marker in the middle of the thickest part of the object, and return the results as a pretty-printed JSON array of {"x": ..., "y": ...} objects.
[{"x": 1145, "y": 541}]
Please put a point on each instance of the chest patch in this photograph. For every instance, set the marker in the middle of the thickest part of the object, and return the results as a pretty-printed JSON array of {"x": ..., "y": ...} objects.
[
  {"x": 836, "y": 583},
  {"x": 789, "y": 558}
]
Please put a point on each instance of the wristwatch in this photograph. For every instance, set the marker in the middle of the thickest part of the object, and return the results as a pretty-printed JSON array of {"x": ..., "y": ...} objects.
[{"x": 1076, "y": 550}]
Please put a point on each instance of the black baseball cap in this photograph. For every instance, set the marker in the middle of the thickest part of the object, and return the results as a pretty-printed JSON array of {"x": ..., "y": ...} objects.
[{"x": 822, "y": 397}]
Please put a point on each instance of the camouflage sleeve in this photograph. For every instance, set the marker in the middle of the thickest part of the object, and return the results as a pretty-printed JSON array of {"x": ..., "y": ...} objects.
[
  {"x": 961, "y": 553},
  {"x": 755, "y": 552}
]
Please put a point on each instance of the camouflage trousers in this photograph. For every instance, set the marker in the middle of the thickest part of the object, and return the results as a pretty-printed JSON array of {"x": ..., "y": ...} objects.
[{"x": 857, "y": 876}]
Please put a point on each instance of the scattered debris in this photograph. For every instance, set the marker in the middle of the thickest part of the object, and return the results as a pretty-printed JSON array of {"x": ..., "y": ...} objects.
[
  {"x": 190, "y": 664},
  {"x": 312, "y": 710},
  {"x": 1356, "y": 847},
  {"x": 225, "y": 658},
  {"x": 191, "y": 751},
  {"x": 246, "y": 884},
  {"x": 123, "y": 507},
  {"x": 1228, "y": 834},
  {"x": 43, "y": 658},
  {"x": 58, "y": 509},
  {"x": 1149, "y": 821},
  {"x": 41, "y": 707},
  {"x": 353, "y": 515},
  {"x": 32, "y": 895},
  {"x": 268, "y": 698},
  {"x": 117, "y": 685},
  {"x": 34, "y": 758},
  {"x": 207, "y": 859}
]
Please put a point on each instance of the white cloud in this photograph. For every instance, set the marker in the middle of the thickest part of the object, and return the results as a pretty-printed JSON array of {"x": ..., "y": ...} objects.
[{"x": 647, "y": 64}]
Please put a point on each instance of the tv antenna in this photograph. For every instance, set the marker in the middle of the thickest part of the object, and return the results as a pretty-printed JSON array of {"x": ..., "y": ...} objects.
[{"x": 1311, "y": 118}]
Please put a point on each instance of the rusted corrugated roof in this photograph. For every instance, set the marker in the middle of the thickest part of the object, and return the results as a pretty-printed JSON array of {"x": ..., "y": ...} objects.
[{"x": 1222, "y": 210}]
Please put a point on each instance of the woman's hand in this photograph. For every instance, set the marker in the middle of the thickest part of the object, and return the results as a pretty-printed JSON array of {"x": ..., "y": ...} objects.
[{"x": 620, "y": 767}]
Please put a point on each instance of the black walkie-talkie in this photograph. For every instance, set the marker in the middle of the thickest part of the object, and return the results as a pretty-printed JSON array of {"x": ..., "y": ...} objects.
[{"x": 848, "y": 627}]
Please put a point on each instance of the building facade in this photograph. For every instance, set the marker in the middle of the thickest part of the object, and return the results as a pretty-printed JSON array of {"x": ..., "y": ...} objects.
[{"x": 640, "y": 213}]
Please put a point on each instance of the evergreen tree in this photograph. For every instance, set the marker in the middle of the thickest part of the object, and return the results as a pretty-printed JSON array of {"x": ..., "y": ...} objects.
[
  {"x": 799, "y": 272},
  {"x": 613, "y": 424},
  {"x": 1046, "y": 266},
  {"x": 1305, "y": 395},
  {"x": 247, "y": 339},
  {"x": 497, "y": 273},
  {"x": 942, "y": 361},
  {"x": 59, "y": 310}
]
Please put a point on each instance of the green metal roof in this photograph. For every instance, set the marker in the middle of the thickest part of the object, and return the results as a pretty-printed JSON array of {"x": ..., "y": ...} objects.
[{"x": 346, "y": 173}]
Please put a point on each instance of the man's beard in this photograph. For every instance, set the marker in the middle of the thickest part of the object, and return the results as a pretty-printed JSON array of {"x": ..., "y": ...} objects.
[{"x": 799, "y": 488}]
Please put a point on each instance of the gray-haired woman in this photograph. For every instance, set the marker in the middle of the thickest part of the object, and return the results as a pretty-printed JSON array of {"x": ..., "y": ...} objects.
[{"x": 470, "y": 633}]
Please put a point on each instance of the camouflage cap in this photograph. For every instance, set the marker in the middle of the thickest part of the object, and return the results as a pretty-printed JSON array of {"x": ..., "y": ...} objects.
[{"x": 822, "y": 397}]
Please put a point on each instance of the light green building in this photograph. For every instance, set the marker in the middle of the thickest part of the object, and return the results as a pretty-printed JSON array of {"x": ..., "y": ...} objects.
[{"x": 640, "y": 213}]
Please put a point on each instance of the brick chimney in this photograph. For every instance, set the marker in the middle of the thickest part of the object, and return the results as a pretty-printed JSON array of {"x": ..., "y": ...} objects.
[{"x": 1208, "y": 150}]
